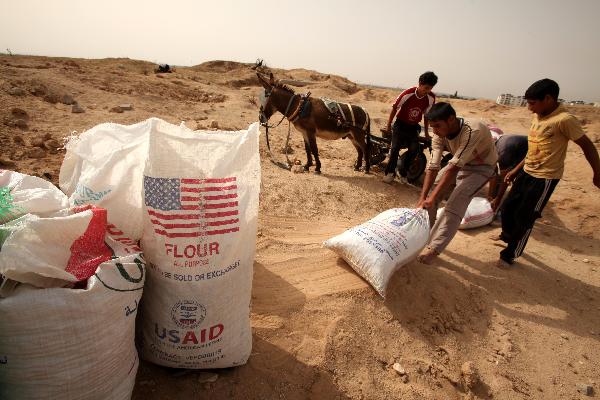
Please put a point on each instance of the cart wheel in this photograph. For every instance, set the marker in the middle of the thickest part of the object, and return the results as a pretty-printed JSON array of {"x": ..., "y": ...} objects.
[
  {"x": 378, "y": 153},
  {"x": 445, "y": 158},
  {"x": 416, "y": 169}
]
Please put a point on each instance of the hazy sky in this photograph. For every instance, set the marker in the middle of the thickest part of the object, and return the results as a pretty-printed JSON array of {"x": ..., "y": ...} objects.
[{"x": 478, "y": 47}]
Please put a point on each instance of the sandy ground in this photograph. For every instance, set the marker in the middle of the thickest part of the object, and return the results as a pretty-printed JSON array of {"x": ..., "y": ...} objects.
[{"x": 320, "y": 332}]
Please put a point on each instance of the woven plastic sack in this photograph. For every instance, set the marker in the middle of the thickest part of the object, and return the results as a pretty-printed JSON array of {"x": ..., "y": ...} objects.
[
  {"x": 201, "y": 208},
  {"x": 478, "y": 214},
  {"x": 22, "y": 194},
  {"x": 55, "y": 251},
  {"x": 104, "y": 166},
  {"x": 379, "y": 247},
  {"x": 75, "y": 344}
]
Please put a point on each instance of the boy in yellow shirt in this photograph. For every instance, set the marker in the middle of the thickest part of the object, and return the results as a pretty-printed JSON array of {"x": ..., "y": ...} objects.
[{"x": 535, "y": 177}]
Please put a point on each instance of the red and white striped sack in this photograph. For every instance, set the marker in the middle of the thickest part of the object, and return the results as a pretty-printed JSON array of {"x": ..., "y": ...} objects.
[{"x": 479, "y": 213}]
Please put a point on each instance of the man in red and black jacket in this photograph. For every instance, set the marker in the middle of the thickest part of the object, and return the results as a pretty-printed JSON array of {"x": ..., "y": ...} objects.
[{"x": 408, "y": 109}]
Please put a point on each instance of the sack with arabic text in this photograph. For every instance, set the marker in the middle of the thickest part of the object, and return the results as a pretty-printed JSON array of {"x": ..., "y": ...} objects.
[
  {"x": 379, "y": 247},
  {"x": 72, "y": 343}
]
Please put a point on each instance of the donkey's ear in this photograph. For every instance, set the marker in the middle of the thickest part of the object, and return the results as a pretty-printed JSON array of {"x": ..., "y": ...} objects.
[
  {"x": 263, "y": 82},
  {"x": 271, "y": 79}
]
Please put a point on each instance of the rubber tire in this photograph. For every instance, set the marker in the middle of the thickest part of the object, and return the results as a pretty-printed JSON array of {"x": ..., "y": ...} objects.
[
  {"x": 445, "y": 158},
  {"x": 416, "y": 169}
]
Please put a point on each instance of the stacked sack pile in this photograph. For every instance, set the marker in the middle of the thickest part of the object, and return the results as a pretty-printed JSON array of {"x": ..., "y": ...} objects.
[
  {"x": 68, "y": 297},
  {"x": 72, "y": 268}
]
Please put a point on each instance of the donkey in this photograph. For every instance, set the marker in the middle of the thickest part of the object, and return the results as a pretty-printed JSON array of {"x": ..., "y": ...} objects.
[{"x": 318, "y": 121}]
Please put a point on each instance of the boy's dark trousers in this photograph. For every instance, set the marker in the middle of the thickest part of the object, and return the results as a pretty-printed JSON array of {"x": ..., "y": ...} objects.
[
  {"x": 523, "y": 205},
  {"x": 403, "y": 136}
]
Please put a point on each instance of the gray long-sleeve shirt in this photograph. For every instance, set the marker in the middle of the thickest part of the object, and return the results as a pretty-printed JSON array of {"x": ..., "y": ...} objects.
[{"x": 472, "y": 146}]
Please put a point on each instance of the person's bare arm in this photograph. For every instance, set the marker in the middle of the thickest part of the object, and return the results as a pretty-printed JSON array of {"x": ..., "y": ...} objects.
[
  {"x": 500, "y": 192},
  {"x": 591, "y": 154},
  {"x": 511, "y": 175},
  {"x": 447, "y": 179},
  {"x": 492, "y": 186},
  {"x": 391, "y": 118},
  {"x": 430, "y": 176},
  {"x": 426, "y": 125}
]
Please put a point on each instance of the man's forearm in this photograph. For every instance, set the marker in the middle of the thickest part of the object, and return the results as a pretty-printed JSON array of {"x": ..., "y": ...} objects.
[
  {"x": 447, "y": 179},
  {"x": 501, "y": 189},
  {"x": 492, "y": 187},
  {"x": 430, "y": 176},
  {"x": 391, "y": 118},
  {"x": 590, "y": 153},
  {"x": 512, "y": 173}
]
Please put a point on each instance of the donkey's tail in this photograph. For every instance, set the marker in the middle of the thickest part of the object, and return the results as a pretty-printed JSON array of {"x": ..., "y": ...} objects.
[{"x": 368, "y": 132}]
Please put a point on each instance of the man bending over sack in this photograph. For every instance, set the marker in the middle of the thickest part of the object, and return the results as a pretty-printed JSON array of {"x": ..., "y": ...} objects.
[
  {"x": 538, "y": 174},
  {"x": 512, "y": 149},
  {"x": 471, "y": 167}
]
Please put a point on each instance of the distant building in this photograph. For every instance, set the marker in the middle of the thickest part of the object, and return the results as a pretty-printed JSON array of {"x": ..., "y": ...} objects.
[{"x": 510, "y": 100}]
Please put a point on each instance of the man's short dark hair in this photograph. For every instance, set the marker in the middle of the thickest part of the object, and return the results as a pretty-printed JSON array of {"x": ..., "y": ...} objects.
[
  {"x": 538, "y": 90},
  {"x": 440, "y": 112},
  {"x": 428, "y": 78}
]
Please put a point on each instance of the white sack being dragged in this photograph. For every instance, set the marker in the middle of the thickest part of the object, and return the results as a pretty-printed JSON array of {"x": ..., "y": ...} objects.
[
  {"x": 379, "y": 247},
  {"x": 200, "y": 215},
  {"x": 478, "y": 214},
  {"x": 74, "y": 344},
  {"x": 104, "y": 166},
  {"x": 22, "y": 194}
]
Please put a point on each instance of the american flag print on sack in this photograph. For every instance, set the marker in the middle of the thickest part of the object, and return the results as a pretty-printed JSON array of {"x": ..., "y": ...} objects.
[{"x": 185, "y": 208}]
